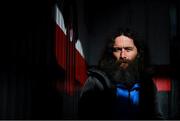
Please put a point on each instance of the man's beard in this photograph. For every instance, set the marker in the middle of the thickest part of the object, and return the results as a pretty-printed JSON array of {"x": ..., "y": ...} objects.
[{"x": 128, "y": 76}]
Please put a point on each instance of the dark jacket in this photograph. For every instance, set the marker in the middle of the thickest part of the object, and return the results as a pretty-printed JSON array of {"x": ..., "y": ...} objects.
[{"x": 98, "y": 99}]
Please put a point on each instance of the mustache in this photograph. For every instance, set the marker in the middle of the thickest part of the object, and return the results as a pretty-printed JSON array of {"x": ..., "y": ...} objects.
[{"x": 122, "y": 61}]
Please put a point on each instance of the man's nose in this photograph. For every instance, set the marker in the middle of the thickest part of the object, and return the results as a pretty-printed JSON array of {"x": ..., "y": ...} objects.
[{"x": 123, "y": 54}]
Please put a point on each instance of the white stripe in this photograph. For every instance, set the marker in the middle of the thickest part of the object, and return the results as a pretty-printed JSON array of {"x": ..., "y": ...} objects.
[
  {"x": 59, "y": 19},
  {"x": 79, "y": 48},
  {"x": 71, "y": 34}
]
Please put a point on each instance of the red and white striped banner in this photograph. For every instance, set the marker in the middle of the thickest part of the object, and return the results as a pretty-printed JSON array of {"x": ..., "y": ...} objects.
[{"x": 69, "y": 55}]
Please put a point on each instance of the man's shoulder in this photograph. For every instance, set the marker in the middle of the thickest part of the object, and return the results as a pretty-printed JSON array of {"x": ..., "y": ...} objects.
[
  {"x": 147, "y": 82},
  {"x": 146, "y": 76},
  {"x": 98, "y": 76},
  {"x": 95, "y": 70}
]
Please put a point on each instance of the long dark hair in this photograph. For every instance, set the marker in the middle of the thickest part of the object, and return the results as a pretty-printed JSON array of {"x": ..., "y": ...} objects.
[{"x": 109, "y": 61}]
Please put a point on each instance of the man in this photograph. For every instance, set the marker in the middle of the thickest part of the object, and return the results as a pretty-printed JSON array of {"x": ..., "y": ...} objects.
[{"x": 118, "y": 88}]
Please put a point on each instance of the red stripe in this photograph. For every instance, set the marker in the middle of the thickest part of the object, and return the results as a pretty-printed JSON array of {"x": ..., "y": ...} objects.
[
  {"x": 71, "y": 68},
  {"x": 162, "y": 83},
  {"x": 61, "y": 44},
  {"x": 81, "y": 68}
]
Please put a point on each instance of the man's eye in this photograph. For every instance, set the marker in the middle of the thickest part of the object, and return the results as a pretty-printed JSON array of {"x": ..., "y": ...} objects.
[
  {"x": 115, "y": 49},
  {"x": 129, "y": 49}
]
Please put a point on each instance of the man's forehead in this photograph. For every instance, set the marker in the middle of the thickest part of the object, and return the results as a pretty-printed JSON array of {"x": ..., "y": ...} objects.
[{"x": 123, "y": 41}]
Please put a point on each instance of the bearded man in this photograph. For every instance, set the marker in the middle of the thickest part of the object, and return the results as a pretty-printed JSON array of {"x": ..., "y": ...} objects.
[{"x": 119, "y": 88}]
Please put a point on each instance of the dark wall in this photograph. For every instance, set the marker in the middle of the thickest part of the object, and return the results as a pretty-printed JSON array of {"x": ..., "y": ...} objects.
[{"x": 150, "y": 18}]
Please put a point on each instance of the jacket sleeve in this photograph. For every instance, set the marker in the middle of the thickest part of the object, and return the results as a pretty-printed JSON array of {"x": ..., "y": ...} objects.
[
  {"x": 157, "y": 110},
  {"x": 150, "y": 103},
  {"x": 92, "y": 100},
  {"x": 153, "y": 107},
  {"x": 87, "y": 100}
]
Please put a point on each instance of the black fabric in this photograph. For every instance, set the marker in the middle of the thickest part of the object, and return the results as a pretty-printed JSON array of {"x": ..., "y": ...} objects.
[
  {"x": 96, "y": 103},
  {"x": 99, "y": 77}
]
